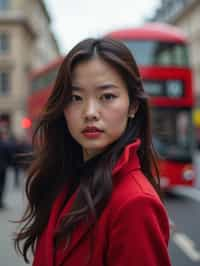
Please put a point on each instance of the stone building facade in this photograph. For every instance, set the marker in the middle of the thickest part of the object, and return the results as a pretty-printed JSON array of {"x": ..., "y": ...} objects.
[
  {"x": 186, "y": 15},
  {"x": 26, "y": 43}
]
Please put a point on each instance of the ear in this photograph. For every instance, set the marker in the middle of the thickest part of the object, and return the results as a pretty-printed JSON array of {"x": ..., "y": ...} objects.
[{"x": 133, "y": 109}]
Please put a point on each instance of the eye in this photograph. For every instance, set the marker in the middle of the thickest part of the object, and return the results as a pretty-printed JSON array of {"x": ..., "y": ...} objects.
[
  {"x": 75, "y": 98},
  {"x": 108, "y": 96}
]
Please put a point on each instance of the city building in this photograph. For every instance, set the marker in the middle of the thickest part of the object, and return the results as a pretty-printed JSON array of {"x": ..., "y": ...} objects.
[
  {"x": 26, "y": 43},
  {"x": 170, "y": 9},
  {"x": 185, "y": 14}
]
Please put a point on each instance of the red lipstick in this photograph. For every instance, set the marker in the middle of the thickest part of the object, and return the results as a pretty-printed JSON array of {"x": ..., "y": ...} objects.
[{"x": 92, "y": 132}]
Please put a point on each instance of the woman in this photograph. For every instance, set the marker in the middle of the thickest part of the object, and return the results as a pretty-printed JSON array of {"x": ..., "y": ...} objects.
[{"x": 92, "y": 192}]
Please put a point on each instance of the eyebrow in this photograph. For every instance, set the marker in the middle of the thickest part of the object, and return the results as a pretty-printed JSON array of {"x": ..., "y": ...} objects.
[{"x": 100, "y": 87}]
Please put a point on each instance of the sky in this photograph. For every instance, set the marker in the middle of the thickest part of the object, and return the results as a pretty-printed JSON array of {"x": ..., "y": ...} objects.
[{"x": 74, "y": 20}]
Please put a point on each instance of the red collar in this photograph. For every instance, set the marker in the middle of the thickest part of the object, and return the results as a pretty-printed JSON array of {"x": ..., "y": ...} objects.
[{"x": 129, "y": 160}]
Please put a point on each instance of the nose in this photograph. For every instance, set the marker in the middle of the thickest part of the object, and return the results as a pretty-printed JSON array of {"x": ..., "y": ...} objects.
[{"x": 91, "y": 111}]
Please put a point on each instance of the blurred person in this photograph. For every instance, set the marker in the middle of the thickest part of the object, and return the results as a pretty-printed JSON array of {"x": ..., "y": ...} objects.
[
  {"x": 14, "y": 159},
  {"x": 20, "y": 148},
  {"x": 5, "y": 159},
  {"x": 93, "y": 185}
]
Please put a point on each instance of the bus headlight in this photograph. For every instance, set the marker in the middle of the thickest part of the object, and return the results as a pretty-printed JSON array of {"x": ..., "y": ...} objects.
[{"x": 188, "y": 174}]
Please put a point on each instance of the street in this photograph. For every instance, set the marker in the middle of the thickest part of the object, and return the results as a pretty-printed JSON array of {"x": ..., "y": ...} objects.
[
  {"x": 185, "y": 242},
  {"x": 183, "y": 211}
]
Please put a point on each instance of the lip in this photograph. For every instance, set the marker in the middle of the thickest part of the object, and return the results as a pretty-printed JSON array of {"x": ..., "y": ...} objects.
[{"x": 92, "y": 132}]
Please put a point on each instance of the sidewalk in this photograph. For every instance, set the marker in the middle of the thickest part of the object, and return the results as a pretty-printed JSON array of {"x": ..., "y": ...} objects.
[{"x": 14, "y": 203}]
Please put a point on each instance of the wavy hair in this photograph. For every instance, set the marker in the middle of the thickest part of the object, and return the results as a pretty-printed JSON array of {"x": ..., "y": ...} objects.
[{"x": 56, "y": 154}]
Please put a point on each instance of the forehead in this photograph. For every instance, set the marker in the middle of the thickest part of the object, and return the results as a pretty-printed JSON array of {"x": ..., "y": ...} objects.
[{"x": 95, "y": 69}]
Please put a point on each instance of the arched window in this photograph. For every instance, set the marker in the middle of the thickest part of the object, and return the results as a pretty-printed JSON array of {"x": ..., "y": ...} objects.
[
  {"x": 4, "y": 42},
  {"x": 4, "y": 82}
]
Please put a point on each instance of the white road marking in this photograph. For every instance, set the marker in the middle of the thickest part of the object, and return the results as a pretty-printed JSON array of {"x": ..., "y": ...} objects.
[
  {"x": 186, "y": 245},
  {"x": 192, "y": 193}
]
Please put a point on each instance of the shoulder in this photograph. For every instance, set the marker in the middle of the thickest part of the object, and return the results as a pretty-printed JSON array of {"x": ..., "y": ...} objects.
[
  {"x": 143, "y": 211},
  {"x": 135, "y": 203},
  {"x": 140, "y": 220},
  {"x": 133, "y": 186},
  {"x": 135, "y": 193}
]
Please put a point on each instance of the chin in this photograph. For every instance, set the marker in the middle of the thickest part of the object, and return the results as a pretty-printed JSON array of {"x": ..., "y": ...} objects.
[{"x": 95, "y": 148}]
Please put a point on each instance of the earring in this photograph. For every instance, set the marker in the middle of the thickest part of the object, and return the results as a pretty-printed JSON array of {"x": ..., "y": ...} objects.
[{"x": 131, "y": 116}]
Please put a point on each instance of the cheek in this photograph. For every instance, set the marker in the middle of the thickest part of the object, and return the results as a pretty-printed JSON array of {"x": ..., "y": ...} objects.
[{"x": 117, "y": 117}]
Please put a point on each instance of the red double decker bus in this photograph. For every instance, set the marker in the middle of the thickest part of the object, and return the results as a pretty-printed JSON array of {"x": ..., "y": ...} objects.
[{"x": 161, "y": 51}]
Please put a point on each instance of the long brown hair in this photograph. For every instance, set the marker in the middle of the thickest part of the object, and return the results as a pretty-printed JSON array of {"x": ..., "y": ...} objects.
[{"x": 56, "y": 154}]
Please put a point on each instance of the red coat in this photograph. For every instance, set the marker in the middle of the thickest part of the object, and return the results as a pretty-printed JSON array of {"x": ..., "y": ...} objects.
[{"x": 133, "y": 229}]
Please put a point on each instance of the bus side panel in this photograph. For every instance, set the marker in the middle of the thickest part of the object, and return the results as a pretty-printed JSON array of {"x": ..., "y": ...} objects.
[
  {"x": 174, "y": 173},
  {"x": 37, "y": 102}
]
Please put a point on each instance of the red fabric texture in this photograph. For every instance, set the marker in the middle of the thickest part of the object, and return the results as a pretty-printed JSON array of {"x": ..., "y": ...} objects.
[{"x": 133, "y": 229}]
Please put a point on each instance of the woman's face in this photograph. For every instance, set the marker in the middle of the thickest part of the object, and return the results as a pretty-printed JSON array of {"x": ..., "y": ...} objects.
[{"x": 98, "y": 111}]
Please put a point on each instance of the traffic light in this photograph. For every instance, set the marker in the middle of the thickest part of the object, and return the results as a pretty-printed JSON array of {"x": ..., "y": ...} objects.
[{"x": 26, "y": 122}]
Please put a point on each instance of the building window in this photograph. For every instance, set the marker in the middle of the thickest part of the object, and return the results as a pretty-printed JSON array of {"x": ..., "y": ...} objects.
[
  {"x": 4, "y": 83},
  {"x": 4, "y": 4},
  {"x": 4, "y": 42}
]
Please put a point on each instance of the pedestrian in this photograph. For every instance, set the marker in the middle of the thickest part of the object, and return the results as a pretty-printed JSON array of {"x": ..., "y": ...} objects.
[
  {"x": 5, "y": 159},
  {"x": 14, "y": 159},
  {"x": 93, "y": 186},
  {"x": 21, "y": 147}
]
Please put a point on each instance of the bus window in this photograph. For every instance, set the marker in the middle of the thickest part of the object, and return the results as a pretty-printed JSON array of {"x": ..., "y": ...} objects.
[
  {"x": 172, "y": 133},
  {"x": 154, "y": 87},
  {"x": 158, "y": 53},
  {"x": 174, "y": 88},
  {"x": 171, "y": 88}
]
